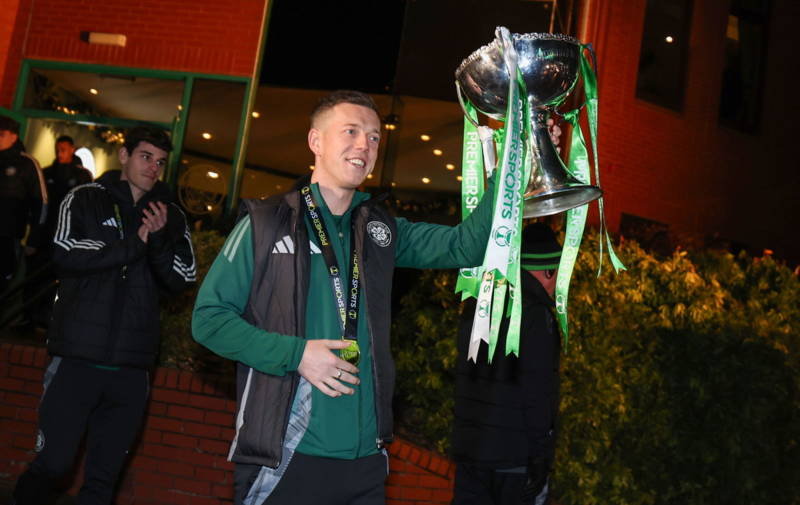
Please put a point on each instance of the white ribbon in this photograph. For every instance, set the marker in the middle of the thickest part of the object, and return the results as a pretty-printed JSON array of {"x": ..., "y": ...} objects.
[
  {"x": 482, "y": 317},
  {"x": 489, "y": 152},
  {"x": 506, "y": 210}
]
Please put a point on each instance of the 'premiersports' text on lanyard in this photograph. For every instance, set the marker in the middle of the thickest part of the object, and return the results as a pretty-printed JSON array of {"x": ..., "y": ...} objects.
[{"x": 348, "y": 310}]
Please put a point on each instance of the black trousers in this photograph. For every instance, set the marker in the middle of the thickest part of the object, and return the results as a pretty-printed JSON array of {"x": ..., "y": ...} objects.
[
  {"x": 486, "y": 486},
  {"x": 313, "y": 480},
  {"x": 79, "y": 398},
  {"x": 9, "y": 254}
]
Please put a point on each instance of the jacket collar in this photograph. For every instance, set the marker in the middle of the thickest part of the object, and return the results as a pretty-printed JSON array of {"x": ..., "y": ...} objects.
[
  {"x": 533, "y": 289},
  {"x": 121, "y": 190}
]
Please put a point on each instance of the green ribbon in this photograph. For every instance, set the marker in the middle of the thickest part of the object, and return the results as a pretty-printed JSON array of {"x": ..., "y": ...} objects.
[
  {"x": 590, "y": 87},
  {"x": 499, "y": 276},
  {"x": 472, "y": 188},
  {"x": 501, "y": 259},
  {"x": 514, "y": 269},
  {"x": 578, "y": 166}
]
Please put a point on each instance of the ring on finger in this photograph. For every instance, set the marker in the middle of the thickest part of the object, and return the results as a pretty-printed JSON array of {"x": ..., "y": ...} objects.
[{"x": 339, "y": 375}]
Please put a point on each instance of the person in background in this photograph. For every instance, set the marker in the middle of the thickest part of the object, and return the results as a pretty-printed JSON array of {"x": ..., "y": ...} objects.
[
  {"x": 23, "y": 200},
  {"x": 118, "y": 240},
  {"x": 65, "y": 173},
  {"x": 505, "y": 412}
]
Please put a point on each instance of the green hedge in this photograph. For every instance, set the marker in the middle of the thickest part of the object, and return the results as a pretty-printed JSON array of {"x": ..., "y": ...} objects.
[
  {"x": 178, "y": 348},
  {"x": 680, "y": 383}
]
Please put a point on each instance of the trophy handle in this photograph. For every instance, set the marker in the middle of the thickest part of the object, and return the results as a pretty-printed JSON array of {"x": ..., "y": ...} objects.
[{"x": 463, "y": 106}]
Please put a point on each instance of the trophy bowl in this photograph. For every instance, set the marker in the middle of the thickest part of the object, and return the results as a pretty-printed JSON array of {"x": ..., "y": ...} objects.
[{"x": 548, "y": 62}]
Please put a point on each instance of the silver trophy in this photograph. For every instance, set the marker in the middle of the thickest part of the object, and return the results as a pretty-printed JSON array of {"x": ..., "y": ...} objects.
[{"x": 549, "y": 64}]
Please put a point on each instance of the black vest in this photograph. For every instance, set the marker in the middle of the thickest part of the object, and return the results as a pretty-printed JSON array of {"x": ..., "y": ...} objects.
[{"x": 277, "y": 303}]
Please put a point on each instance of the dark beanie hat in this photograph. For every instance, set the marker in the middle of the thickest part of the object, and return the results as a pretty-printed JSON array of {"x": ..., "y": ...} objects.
[
  {"x": 540, "y": 249},
  {"x": 8, "y": 124}
]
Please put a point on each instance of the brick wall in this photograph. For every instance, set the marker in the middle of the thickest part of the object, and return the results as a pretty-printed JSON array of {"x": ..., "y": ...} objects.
[
  {"x": 683, "y": 168},
  {"x": 190, "y": 35},
  {"x": 180, "y": 458},
  {"x": 11, "y": 35}
]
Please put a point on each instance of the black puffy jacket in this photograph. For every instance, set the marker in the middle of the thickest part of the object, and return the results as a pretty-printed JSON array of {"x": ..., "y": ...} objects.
[
  {"x": 107, "y": 310},
  {"x": 505, "y": 411},
  {"x": 22, "y": 194}
]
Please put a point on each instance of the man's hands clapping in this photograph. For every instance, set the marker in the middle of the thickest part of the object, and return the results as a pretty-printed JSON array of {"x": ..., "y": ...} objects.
[{"x": 155, "y": 218}]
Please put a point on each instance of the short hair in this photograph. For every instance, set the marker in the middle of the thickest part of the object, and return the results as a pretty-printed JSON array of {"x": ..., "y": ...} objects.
[
  {"x": 149, "y": 134},
  {"x": 65, "y": 138},
  {"x": 331, "y": 100},
  {"x": 9, "y": 124}
]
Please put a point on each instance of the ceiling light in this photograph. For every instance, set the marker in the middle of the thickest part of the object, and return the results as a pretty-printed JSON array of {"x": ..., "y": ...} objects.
[
  {"x": 426, "y": 180},
  {"x": 669, "y": 39},
  {"x": 437, "y": 152},
  {"x": 209, "y": 207},
  {"x": 394, "y": 184},
  {"x": 278, "y": 186},
  {"x": 450, "y": 166},
  {"x": 311, "y": 167},
  {"x": 180, "y": 107},
  {"x": 206, "y": 135},
  {"x": 93, "y": 91},
  {"x": 255, "y": 114},
  {"x": 391, "y": 121},
  {"x": 424, "y": 137},
  {"x": 458, "y": 178},
  {"x": 369, "y": 176},
  {"x": 212, "y": 174}
]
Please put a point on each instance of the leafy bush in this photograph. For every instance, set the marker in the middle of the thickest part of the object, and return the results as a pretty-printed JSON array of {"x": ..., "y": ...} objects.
[
  {"x": 681, "y": 382},
  {"x": 423, "y": 345},
  {"x": 178, "y": 348}
]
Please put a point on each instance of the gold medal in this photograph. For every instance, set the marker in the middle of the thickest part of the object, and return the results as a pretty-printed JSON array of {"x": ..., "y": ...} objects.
[{"x": 351, "y": 353}]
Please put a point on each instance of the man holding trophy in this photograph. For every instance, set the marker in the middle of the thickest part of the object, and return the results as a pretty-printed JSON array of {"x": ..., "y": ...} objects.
[{"x": 300, "y": 297}]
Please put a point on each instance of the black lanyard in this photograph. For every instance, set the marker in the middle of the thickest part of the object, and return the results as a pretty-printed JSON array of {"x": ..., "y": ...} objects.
[{"x": 348, "y": 310}]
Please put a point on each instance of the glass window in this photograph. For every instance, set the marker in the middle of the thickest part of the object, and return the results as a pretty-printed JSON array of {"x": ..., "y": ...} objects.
[
  {"x": 407, "y": 66},
  {"x": 96, "y": 147},
  {"x": 209, "y": 145},
  {"x": 104, "y": 94},
  {"x": 743, "y": 72},
  {"x": 664, "y": 53}
]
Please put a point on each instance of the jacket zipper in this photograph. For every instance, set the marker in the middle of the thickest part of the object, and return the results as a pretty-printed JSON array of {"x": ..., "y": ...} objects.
[{"x": 378, "y": 440}]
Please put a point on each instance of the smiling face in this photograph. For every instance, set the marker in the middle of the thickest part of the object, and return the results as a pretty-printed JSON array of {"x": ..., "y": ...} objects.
[
  {"x": 344, "y": 140},
  {"x": 142, "y": 167}
]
